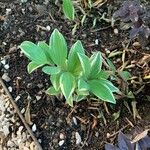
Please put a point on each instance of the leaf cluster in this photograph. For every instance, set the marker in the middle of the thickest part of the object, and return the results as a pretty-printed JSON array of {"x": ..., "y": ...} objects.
[
  {"x": 73, "y": 73},
  {"x": 132, "y": 11}
]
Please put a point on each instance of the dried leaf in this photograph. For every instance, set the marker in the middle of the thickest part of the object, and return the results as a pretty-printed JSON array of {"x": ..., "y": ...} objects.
[
  {"x": 27, "y": 114},
  {"x": 116, "y": 115},
  {"x": 98, "y": 3},
  {"x": 140, "y": 136},
  {"x": 94, "y": 123},
  {"x": 135, "y": 111},
  {"x": 2, "y": 18},
  {"x": 147, "y": 77},
  {"x": 144, "y": 59}
]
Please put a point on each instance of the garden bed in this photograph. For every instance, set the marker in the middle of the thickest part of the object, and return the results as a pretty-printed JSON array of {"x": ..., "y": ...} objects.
[{"x": 89, "y": 123}]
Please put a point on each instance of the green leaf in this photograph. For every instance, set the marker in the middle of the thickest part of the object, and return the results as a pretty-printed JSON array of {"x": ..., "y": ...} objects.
[
  {"x": 85, "y": 63},
  {"x": 51, "y": 70},
  {"x": 101, "y": 91},
  {"x": 73, "y": 59},
  {"x": 104, "y": 74},
  {"x": 109, "y": 84},
  {"x": 33, "y": 52},
  {"x": 68, "y": 9},
  {"x": 51, "y": 91},
  {"x": 58, "y": 48},
  {"x": 33, "y": 66},
  {"x": 96, "y": 64},
  {"x": 111, "y": 65},
  {"x": 78, "y": 98},
  {"x": 55, "y": 81},
  {"x": 82, "y": 85},
  {"x": 46, "y": 50},
  {"x": 81, "y": 92},
  {"x": 70, "y": 101},
  {"x": 130, "y": 95},
  {"x": 67, "y": 85},
  {"x": 125, "y": 75}
]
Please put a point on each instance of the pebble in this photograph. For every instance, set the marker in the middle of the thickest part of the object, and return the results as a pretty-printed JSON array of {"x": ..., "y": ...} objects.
[
  {"x": 25, "y": 148},
  {"x": 23, "y": 1},
  {"x": 7, "y": 104},
  {"x": 8, "y": 10},
  {"x": 6, "y": 77},
  {"x": 10, "y": 89},
  {"x": 78, "y": 138},
  {"x": 96, "y": 134},
  {"x": 17, "y": 98},
  {"x": 3, "y": 61},
  {"x": 136, "y": 44},
  {"x": 20, "y": 128},
  {"x": 61, "y": 142},
  {"x": 40, "y": 141},
  {"x": 96, "y": 42},
  {"x": 4, "y": 43},
  {"x": 10, "y": 144},
  {"x": 6, "y": 66},
  {"x": 23, "y": 110},
  {"x": 74, "y": 120},
  {"x": 5, "y": 130},
  {"x": 61, "y": 136},
  {"x": 40, "y": 85},
  {"x": 38, "y": 97},
  {"x": 116, "y": 31},
  {"x": 34, "y": 127},
  {"x": 48, "y": 28}
]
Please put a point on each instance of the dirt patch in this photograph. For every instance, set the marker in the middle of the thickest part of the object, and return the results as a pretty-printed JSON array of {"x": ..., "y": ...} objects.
[{"x": 59, "y": 126}]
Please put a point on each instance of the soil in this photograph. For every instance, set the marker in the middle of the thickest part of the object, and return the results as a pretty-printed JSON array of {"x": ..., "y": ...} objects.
[{"x": 94, "y": 121}]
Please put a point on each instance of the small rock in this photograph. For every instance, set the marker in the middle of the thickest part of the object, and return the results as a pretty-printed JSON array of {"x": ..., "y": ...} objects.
[
  {"x": 6, "y": 66},
  {"x": 96, "y": 41},
  {"x": 61, "y": 136},
  {"x": 10, "y": 89},
  {"x": 48, "y": 28},
  {"x": 6, "y": 77},
  {"x": 38, "y": 97},
  {"x": 4, "y": 43},
  {"x": 17, "y": 98},
  {"x": 23, "y": 110},
  {"x": 7, "y": 104},
  {"x": 10, "y": 144},
  {"x": 40, "y": 141},
  {"x": 25, "y": 148},
  {"x": 78, "y": 138},
  {"x": 20, "y": 128},
  {"x": 136, "y": 44},
  {"x": 116, "y": 31},
  {"x": 40, "y": 85},
  {"x": 3, "y": 61},
  {"x": 96, "y": 134},
  {"x": 6, "y": 130},
  {"x": 8, "y": 10},
  {"x": 34, "y": 128},
  {"x": 23, "y": 1},
  {"x": 74, "y": 120},
  {"x": 61, "y": 142},
  {"x": 19, "y": 141}
]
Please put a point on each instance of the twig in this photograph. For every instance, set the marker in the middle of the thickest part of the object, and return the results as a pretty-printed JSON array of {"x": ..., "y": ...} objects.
[
  {"x": 118, "y": 131},
  {"x": 20, "y": 115}
]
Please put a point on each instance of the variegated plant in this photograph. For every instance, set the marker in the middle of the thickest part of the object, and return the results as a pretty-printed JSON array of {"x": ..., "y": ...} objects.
[{"x": 73, "y": 73}]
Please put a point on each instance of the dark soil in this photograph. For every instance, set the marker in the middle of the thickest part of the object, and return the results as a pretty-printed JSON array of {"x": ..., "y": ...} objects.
[{"x": 96, "y": 126}]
